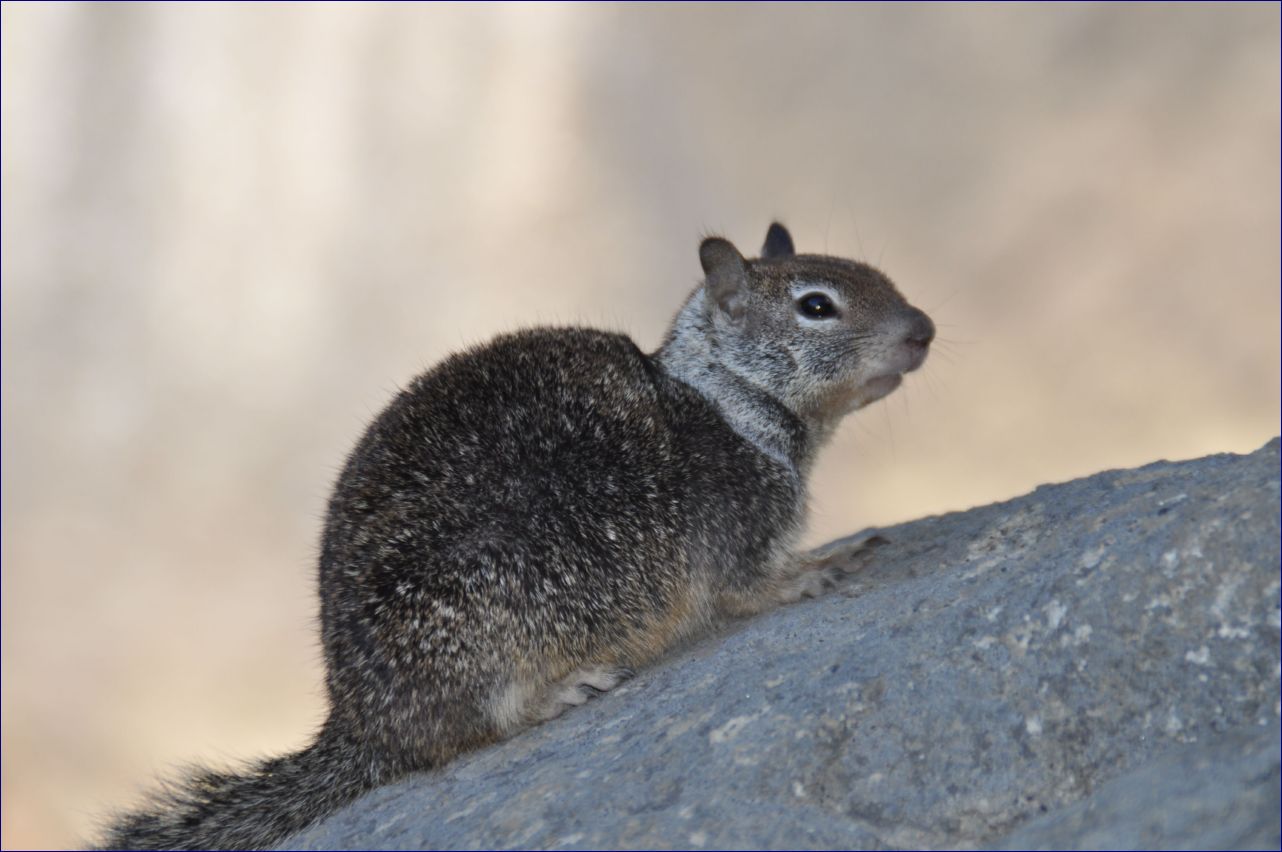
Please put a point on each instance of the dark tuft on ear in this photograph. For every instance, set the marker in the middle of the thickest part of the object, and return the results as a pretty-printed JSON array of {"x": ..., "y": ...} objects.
[
  {"x": 727, "y": 276},
  {"x": 778, "y": 242}
]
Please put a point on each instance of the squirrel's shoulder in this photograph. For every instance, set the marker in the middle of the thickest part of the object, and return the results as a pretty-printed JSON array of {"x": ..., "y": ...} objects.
[
  {"x": 534, "y": 361},
  {"x": 578, "y": 395},
  {"x": 528, "y": 383}
]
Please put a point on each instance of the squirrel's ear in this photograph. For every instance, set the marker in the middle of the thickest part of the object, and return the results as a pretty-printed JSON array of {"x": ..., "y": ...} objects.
[
  {"x": 778, "y": 242},
  {"x": 727, "y": 276}
]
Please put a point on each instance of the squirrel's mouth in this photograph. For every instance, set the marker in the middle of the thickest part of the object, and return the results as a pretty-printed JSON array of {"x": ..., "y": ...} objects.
[
  {"x": 890, "y": 367},
  {"x": 903, "y": 359},
  {"x": 874, "y": 389}
]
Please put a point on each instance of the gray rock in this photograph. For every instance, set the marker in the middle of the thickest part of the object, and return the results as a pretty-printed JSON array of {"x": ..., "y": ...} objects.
[
  {"x": 1093, "y": 664},
  {"x": 1220, "y": 794}
]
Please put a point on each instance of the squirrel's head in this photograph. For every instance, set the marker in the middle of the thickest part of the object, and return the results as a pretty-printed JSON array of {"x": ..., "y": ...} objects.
[{"x": 824, "y": 334}]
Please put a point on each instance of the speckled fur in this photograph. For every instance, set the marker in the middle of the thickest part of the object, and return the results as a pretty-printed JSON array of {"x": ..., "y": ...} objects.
[{"x": 537, "y": 516}]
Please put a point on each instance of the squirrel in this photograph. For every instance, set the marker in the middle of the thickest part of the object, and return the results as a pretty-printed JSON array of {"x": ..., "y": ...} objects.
[{"x": 535, "y": 518}]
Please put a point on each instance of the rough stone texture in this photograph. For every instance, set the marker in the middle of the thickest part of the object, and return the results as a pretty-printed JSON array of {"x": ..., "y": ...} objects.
[
  {"x": 1221, "y": 794},
  {"x": 1093, "y": 664}
]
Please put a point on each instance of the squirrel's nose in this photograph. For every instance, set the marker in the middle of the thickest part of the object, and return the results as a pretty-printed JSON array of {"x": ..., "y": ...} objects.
[{"x": 920, "y": 330}]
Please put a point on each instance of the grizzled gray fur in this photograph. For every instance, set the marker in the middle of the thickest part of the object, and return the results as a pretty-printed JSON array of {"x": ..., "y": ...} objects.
[{"x": 536, "y": 517}]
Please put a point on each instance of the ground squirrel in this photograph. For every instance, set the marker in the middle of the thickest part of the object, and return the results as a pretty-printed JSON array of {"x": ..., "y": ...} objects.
[{"x": 535, "y": 517}]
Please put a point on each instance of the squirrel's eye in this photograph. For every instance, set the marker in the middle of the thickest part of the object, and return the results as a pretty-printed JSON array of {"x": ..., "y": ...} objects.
[{"x": 816, "y": 306}]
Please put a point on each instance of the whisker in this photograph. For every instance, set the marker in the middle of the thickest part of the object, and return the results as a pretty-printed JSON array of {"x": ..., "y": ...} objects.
[
  {"x": 861, "y": 426},
  {"x": 929, "y": 381},
  {"x": 832, "y": 208},
  {"x": 932, "y": 382},
  {"x": 885, "y": 410},
  {"x": 854, "y": 220},
  {"x": 937, "y": 305}
]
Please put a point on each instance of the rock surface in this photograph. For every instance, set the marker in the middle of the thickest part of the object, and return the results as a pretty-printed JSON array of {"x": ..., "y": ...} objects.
[
  {"x": 1094, "y": 664},
  {"x": 1221, "y": 794}
]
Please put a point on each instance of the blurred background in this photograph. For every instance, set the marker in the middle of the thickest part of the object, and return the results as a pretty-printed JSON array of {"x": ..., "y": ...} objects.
[{"x": 230, "y": 232}]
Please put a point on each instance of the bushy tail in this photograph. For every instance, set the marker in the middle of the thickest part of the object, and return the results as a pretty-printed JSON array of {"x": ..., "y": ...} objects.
[{"x": 255, "y": 810}]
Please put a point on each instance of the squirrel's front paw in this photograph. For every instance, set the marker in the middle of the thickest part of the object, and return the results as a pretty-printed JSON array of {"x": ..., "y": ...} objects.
[
  {"x": 811, "y": 583},
  {"x": 822, "y": 569},
  {"x": 847, "y": 557},
  {"x": 577, "y": 688},
  {"x": 821, "y": 581}
]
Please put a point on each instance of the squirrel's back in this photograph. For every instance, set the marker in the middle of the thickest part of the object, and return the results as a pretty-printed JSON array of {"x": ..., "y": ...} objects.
[{"x": 541, "y": 500}]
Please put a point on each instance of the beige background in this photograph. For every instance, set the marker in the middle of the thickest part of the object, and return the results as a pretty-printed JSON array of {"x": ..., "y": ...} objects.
[{"x": 229, "y": 232}]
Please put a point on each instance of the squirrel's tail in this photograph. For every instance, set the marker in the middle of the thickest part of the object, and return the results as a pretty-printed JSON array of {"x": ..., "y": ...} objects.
[{"x": 256, "y": 809}]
